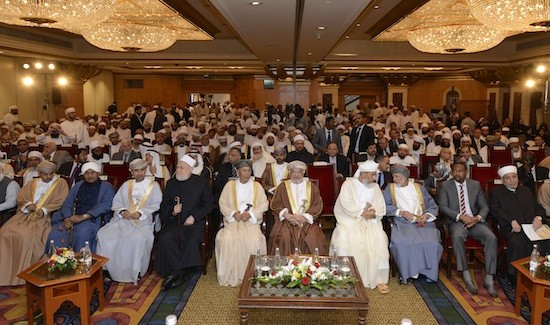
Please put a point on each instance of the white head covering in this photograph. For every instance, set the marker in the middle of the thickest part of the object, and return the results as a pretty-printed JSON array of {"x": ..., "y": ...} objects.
[
  {"x": 506, "y": 170},
  {"x": 70, "y": 110},
  {"x": 90, "y": 165},
  {"x": 465, "y": 139},
  {"x": 366, "y": 166},
  {"x": 297, "y": 164},
  {"x": 156, "y": 162},
  {"x": 94, "y": 144},
  {"x": 404, "y": 146},
  {"x": 35, "y": 154},
  {"x": 188, "y": 160},
  {"x": 513, "y": 140},
  {"x": 299, "y": 137},
  {"x": 418, "y": 139}
]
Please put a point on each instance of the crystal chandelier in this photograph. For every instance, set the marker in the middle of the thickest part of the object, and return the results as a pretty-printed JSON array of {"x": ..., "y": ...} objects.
[
  {"x": 524, "y": 15},
  {"x": 455, "y": 38},
  {"x": 55, "y": 13},
  {"x": 130, "y": 37}
]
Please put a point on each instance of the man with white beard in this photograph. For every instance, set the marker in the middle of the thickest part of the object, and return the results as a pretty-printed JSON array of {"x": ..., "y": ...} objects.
[
  {"x": 187, "y": 201},
  {"x": 259, "y": 159}
]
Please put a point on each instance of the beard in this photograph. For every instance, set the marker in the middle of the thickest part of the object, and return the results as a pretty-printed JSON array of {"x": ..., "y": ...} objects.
[
  {"x": 97, "y": 157},
  {"x": 182, "y": 178},
  {"x": 102, "y": 131}
]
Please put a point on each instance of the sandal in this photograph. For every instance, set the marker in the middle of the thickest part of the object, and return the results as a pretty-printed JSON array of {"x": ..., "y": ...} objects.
[{"x": 383, "y": 288}]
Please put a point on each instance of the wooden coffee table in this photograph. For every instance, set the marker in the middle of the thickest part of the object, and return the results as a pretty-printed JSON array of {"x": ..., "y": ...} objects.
[
  {"x": 357, "y": 301},
  {"x": 47, "y": 290},
  {"x": 537, "y": 290}
]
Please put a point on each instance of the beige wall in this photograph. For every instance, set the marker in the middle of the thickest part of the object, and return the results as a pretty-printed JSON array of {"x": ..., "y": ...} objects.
[
  {"x": 430, "y": 93},
  {"x": 99, "y": 94}
]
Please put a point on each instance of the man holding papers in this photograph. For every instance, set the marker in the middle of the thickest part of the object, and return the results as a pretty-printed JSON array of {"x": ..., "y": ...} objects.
[{"x": 513, "y": 205}]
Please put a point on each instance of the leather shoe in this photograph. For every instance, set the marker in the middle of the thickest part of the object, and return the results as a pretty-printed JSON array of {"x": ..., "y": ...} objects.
[
  {"x": 491, "y": 290},
  {"x": 471, "y": 288},
  {"x": 169, "y": 282}
]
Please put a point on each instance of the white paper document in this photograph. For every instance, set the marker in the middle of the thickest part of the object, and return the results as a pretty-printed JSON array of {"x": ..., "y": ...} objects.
[{"x": 533, "y": 235}]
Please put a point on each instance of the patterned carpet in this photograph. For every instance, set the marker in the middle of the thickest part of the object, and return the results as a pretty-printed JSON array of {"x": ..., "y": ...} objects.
[{"x": 445, "y": 302}]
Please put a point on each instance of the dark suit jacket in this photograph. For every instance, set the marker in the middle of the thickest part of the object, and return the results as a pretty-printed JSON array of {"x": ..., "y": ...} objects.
[
  {"x": 342, "y": 164},
  {"x": 449, "y": 202},
  {"x": 320, "y": 140},
  {"x": 476, "y": 158},
  {"x": 541, "y": 174},
  {"x": 66, "y": 170},
  {"x": 387, "y": 180},
  {"x": 120, "y": 155},
  {"x": 366, "y": 138},
  {"x": 521, "y": 205},
  {"x": 393, "y": 146},
  {"x": 223, "y": 176},
  {"x": 483, "y": 144}
]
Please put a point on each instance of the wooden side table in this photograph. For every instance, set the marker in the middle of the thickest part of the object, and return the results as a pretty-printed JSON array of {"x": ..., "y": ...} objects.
[
  {"x": 536, "y": 289},
  {"x": 48, "y": 290}
]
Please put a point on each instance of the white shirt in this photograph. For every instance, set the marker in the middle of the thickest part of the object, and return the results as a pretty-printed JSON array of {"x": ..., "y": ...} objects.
[
  {"x": 299, "y": 196},
  {"x": 75, "y": 130},
  {"x": 407, "y": 200},
  {"x": 408, "y": 160},
  {"x": 466, "y": 199},
  {"x": 245, "y": 196}
]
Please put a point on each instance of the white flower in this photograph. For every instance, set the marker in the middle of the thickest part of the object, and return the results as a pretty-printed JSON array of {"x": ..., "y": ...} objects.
[{"x": 61, "y": 260}]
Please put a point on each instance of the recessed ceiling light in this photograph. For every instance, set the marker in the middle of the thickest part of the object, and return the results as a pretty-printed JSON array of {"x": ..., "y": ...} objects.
[
  {"x": 321, "y": 28},
  {"x": 278, "y": 60},
  {"x": 347, "y": 36},
  {"x": 349, "y": 68},
  {"x": 193, "y": 67},
  {"x": 433, "y": 68},
  {"x": 391, "y": 68},
  {"x": 152, "y": 66},
  {"x": 376, "y": 6},
  {"x": 345, "y": 54},
  {"x": 255, "y": 3},
  {"x": 308, "y": 53},
  {"x": 236, "y": 68},
  {"x": 358, "y": 25}
]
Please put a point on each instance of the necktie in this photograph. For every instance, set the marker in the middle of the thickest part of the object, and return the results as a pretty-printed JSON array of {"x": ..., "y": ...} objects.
[
  {"x": 329, "y": 137},
  {"x": 126, "y": 156},
  {"x": 233, "y": 172},
  {"x": 462, "y": 200},
  {"x": 75, "y": 173},
  {"x": 358, "y": 139},
  {"x": 380, "y": 180}
]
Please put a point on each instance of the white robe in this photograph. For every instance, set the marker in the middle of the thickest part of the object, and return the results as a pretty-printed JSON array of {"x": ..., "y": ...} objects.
[
  {"x": 356, "y": 236},
  {"x": 237, "y": 240},
  {"x": 75, "y": 130},
  {"x": 128, "y": 243}
]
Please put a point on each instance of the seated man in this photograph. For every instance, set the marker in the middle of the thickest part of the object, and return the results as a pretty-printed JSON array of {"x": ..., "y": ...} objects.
[
  {"x": 58, "y": 157},
  {"x": 415, "y": 242},
  {"x": 334, "y": 157},
  {"x": 186, "y": 202},
  {"x": 23, "y": 237},
  {"x": 9, "y": 188},
  {"x": 242, "y": 205},
  {"x": 463, "y": 202},
  {"x": 403, "y": 156},
  {"x": 296, "y": 206},
  {"x": 275, "y": 172},
  {"x": 300, "y": 152},
  {"x": 82, "y": 213},
  {"x": 96, "y": 153},
  {"x": 127, "y": 240},
  {"x": 529, "y": 172},
  {"x": 34, "y": 158},
  {"x": 512, "y": 205},
  {"x": 73, "y": 169},
  {"x": 359, "y": 209},
  {"x": 126, "y": 154}
]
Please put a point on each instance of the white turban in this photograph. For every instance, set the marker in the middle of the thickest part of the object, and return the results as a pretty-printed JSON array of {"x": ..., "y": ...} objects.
[
  {"x": 404, "y": 146},
  {"x": 90, "y": 165},
  {"x": 299, "y": 137},
  {"x": 506, "y": 170},
  {"x": 513, "y": 140},
  {"x": 70, "y": 110},
  {"x": 188, "y": 160},
  {"x": 297, "y": 164},
  {"x": 94, "y": 144},
  {"x": 366, "y": 166},
  {"x": 35, "y": 154}
]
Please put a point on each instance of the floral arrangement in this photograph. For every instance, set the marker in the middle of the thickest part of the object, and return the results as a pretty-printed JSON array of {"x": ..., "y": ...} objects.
[
  {"x": 305, "y": 274},
  {"x": 63, "y": 259}
]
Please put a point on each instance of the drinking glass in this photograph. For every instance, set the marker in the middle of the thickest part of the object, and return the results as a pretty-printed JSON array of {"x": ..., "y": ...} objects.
[{"x": 344, "y": 267}]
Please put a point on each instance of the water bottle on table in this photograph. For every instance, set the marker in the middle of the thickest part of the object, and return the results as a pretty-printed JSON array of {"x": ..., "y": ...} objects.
[
  {"x": 535, "y": 260},
  {"x": 86, "y": 255}
]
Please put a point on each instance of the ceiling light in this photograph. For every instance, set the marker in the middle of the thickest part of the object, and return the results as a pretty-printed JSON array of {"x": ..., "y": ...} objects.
[
  {"x": 376, "y": 6},
  {"x": 455, "y": 38},
  {"x": 62, "y": 81},
  {"x": 51, "y": 66},
  {"x": 308, "y": 53},
  {"x": 236, "y": 68},
  {"x": 345, "y": 54},
  {"x": 26, "y": 66},
  {"x": 321, "y": 28},
  {"x": 28, "y": 81},
  {"x": 152, "y": 66},
  {"x": 349, "y": 68},
  {"x": 53, "y": 13},
  {"x": 541, "y": 68},
  {"x": 358, "y": 25},
  {"x": 433, "y": 68},
  {"x": 38, "y": 65},
  {"x": 530, "y": 83},
  {"x": 255, "y": 3},
  {"x": 524, "y": 15},
  {"x": 347, "y": 36},
  {"x": 193, "y": 67},
  {"x": 391, "y": 68}
]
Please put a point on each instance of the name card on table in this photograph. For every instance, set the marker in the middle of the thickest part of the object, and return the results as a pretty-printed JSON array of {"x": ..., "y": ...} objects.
[
  {"x": 483, "y": 165},
  {"x": 116, "y": 162}
]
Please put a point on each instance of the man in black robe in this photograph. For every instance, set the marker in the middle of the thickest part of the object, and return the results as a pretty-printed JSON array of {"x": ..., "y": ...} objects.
[
  {"x": 299, "y": 153},
  {"x": 186, "y": 203},
  {"x": 513, "y": 205}
]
